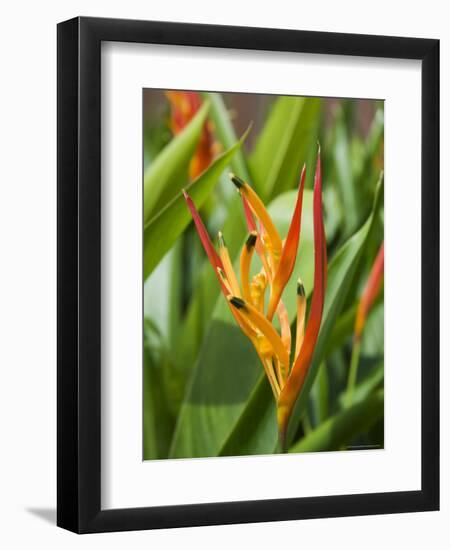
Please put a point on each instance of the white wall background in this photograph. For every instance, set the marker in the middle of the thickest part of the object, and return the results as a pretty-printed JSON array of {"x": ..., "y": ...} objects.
[{"x": 28, "y": 271}]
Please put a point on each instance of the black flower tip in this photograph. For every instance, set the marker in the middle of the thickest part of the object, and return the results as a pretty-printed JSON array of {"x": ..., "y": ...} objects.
[
  {"x": 300, "y": 288},
  {"x": 237, "y": 181},
  {"x": 237, "y": 302},
  {"x": 251, "y": 240}
]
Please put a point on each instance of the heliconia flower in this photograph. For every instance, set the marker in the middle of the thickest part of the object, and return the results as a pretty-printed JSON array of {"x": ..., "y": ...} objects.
[
  {"x": 370, "y": 292},
  {"x": 246, "y": 295},
  {"x": 184, "y": 106}
]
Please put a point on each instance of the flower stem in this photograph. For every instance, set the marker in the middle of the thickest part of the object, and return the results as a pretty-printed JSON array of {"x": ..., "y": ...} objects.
[
  {"x": 281, "y": 447},
  {"x": 353, "y": 371}
]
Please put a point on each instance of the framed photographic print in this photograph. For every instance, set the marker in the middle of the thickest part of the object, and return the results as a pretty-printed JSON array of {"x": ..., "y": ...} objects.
[{"x": 233, "y": 345}]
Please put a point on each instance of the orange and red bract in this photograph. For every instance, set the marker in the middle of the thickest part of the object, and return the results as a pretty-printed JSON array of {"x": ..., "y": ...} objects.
[
  {"x": 184, "y": 106},
  {"x": 302, "y": 363},
  {"x": 277, "y": 267},
  {"x": 289, "y": 253},
  {"x": 213, "y": 257}
]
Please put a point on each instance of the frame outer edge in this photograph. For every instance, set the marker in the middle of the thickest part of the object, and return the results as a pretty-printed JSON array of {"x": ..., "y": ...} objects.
[
  {"x": 430, "y": 276},
  {"x": 67, "y": 276},
  {"x": 79, "y": 261},
  {"x": 89, "y": 275}
]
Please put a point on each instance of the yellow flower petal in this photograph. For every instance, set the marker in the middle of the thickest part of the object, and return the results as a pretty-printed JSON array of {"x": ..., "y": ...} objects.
[
  {"x": 245, "y": 260},
  {"x": 301, "y": 312},
  {"x": 228, "y": 266},
  {"x": 260, "y": 212},
  {"x": 263, "y": 325}
]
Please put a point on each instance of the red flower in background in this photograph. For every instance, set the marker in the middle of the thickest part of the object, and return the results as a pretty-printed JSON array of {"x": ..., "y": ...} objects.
[
  {"x": 370, "y": 292},
  {"x": 184, "y": 106}
]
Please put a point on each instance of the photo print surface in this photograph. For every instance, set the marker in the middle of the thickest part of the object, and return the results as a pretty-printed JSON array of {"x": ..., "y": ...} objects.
[{"x": 263, "y": 265}]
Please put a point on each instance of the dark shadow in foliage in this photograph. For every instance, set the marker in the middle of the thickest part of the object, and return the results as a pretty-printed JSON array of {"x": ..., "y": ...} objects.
[
  {"x": 238, "y": 372},
  {"x": 257, "y": 431},
  {"x": 338, "y": 430}
]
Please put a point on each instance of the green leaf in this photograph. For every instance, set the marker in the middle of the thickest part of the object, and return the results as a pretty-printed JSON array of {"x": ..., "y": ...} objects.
[
  {"x": 284, "y": 145},
  {"x": 372, "y": 343},
  {"x": 162, "y": 295},
  {"x": 320, "y": 395},
  {"x": 253, "y": 430},
  {"x": 228, "y": 369},
  {"x": 158, "y": 420},
  {"x": 340, "y": 429},
  {"x": 167, "y": 174},
  {"x": 369, "y": 383},
  {"x": 162, "y": 309},
  {"x": 355, "y": 169},
  {"x": 351, "y": 194},
  {"x": 224, "y": 377},
  {"x": 373, "y": 143},
  {"x": 163, "y": 230},
  {"x": 224, "y": 130},
  {"x": 342, "y": 330}
]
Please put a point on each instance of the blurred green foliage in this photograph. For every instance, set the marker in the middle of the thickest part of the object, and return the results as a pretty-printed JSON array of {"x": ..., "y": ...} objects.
[{"x": 204, "y": 390}]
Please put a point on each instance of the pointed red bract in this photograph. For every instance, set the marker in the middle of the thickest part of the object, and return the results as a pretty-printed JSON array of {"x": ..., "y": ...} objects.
[
  {"x": 289, "y": 253},
  {"x": 294, "y": 384},
  {"x": 214, "y": 258}
]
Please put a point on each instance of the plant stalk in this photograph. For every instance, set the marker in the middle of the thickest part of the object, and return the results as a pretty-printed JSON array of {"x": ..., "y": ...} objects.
[{"x": 353, "y": 372}]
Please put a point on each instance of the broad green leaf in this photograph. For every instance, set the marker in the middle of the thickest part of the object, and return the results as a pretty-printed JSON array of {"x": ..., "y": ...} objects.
[
  {"x": 162, "y": 295},
  {"x": 251, "y": 431},
  {"x": 262, "y": 433},
  {"x": 163, "y": 229},
  {"x": 158, "y": 418},
  {"x": 224, "y": 377},
  {"x": 162, "y": 310},
  {"x": 340, "y": 429},
  {"x": 320, "y": 396},
  {"x": 228, "y": 370},
  {"x": 167, "y": 174},
  {"x": 284, "y": 144}
]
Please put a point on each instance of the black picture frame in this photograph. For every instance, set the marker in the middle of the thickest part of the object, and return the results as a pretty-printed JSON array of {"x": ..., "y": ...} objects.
[{"x": 79, "y": 280}]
